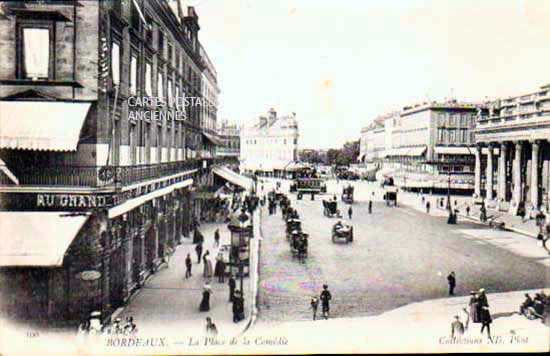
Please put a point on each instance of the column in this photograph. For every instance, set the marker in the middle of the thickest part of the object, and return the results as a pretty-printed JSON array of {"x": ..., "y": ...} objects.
[
  {"x": 535, "y": 175},
  {"x": 502, "y": 171},
  {"x": 477, "y": 180},
  {"x": 516, "y": 172},
  {"x": 489, "y": 175}
]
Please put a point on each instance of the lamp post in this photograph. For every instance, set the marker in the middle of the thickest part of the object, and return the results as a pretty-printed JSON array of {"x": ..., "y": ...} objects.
[{"x": 449, "y": 193}]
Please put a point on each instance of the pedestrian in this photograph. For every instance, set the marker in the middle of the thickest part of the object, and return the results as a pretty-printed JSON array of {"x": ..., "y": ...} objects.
[
  {"x": 130, "y": 328},
  {"x": 451, "y": 278},
  {"x": 211, "y": 327},
  {"x": 457, "y": 328},
  {"x": 83, "y": 330},
  {"x": 468, "y": 210},
  {"x": 219, "y": 268},
  {"x": 427, "y": 207},
  {"x": 188, "y": 265},
  {"x": 473, "y": 310},
  {"x": 205, "y": 302},
  {"x": 350, "y": 212},
  {"x": 238, "y": 307},
  {"x": 207, "y": 268},
  {"x": 423, "y": 199},
  {"x": 314, "y": 304},
  {"x": 217, "y": 238},
  {"x": 198, "y": 250},
  {"x": 232, "y": 284},
  {"x": 370, "y": 206},
  {"x": 325, "y": 300},
  {"x": 484, "y": 313}
]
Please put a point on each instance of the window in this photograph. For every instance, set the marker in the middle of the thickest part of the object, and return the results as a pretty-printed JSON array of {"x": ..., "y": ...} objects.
[
  {"x": 149, "y": 31},
  {"x": 170, "y": 52},
  {"x": 36, "y": 51},
  {"x": 148, "y": 80},
  {"x": 452, "y": 134},
  {"x": 115, "y": 62},
  {"x": 170, "y": 98},
  {"x": 440, "y": 135},
  {"x": 133, "y": 75},
  {"x": 160, "y": 85},
  {"x": 177, "y": 96},
  {"x": 161, "y": 44}
]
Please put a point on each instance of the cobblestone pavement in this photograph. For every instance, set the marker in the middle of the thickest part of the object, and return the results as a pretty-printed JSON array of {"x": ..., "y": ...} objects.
[{"x": 399, "y": 255}]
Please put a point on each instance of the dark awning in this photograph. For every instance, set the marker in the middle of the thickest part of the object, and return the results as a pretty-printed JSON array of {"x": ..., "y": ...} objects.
[{"x": 213, "y": 139}]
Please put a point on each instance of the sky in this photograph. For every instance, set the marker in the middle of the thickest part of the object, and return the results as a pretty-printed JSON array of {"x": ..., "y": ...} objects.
[{"x": 340, "y": 63}]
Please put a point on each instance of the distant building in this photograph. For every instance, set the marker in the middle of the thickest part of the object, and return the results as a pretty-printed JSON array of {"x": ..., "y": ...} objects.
[
  {"x": 514, "y": 135},
  {"x": 431, "y": 139},
  {"x": 230, "y": 137},
  {"x": 270, "y": 145}
]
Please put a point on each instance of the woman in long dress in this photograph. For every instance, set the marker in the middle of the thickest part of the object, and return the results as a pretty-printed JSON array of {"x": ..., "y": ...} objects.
[
  {"x": 205, "y": 302},
  {"x": 207, "y": 271}
]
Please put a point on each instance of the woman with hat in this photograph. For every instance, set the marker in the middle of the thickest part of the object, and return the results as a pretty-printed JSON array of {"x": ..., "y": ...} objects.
[
  {"x": 205, "y": 302},
  {"x": 484, "y": 314},
  {"x": 207, "y": 272}
]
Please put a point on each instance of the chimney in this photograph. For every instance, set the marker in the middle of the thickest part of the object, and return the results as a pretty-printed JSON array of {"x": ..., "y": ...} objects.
[
  {"x": 263, "y": 121},
  {"x": 272, "y": 114}
]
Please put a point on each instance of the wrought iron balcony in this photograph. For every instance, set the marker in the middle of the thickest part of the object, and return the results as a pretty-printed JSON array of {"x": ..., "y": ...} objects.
[{"x": 97, "y": 176}]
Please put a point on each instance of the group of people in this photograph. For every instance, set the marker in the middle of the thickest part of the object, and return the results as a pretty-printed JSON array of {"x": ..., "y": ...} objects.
[
  {"x": 537, "y": 307},
  {"x": 325, "y": 298},
  {"x": 477, "y": 312},
  {"x": 93, "y": 326}
]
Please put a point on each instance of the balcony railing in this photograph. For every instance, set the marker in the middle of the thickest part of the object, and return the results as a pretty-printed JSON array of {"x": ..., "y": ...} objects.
[{"x": 98, "y": 176}]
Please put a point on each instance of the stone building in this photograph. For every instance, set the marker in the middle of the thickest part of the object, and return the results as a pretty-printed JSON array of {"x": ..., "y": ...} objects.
[
  {"x": 93, "y": 200},
  {"x": 230, "y": 137},
  {"x": 271, "y": 145},
  {"x": 513, "y": 152}
]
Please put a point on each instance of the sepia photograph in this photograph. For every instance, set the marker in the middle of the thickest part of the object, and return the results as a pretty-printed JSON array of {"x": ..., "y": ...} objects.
[{"x": 231, "y": 177}]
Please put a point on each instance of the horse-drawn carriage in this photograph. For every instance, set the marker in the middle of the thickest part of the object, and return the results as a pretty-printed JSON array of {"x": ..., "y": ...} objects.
[
  {"x": 292, "y": 224},
  {"x": 347, "y": 194},
  {"x": 342, "y": 232},
  {"x": 330, "y": 208},
  {"x": 298, "y": 243}
]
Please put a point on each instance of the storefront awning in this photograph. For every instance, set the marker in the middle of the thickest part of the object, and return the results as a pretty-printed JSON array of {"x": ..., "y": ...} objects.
[
  {"x": 135, "y": 202},
  {"x": 37, "y": 239},
  {"x": 38, "y": 125},
  {"x": 454, "y": 150},
  {"x": 406, "y": 151},
  {"x": 213, "y": 139},
  {"x": 234, "y": 178}
]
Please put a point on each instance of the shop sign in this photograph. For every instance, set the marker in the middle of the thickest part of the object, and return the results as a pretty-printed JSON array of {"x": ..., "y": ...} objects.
[{"x": 89, "y": 275}]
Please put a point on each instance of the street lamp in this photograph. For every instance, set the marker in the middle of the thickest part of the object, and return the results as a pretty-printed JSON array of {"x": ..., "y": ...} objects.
[
  {"x": 241, "y": 232},
  {"x": 449, "y": 193}
]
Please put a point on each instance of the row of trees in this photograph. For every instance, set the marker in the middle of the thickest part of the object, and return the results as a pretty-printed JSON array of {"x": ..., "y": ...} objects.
[{"x": 335, "y": 156}]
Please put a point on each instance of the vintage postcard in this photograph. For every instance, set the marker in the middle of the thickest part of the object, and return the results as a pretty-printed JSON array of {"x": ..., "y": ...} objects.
[{"x": 182, "y": 177}]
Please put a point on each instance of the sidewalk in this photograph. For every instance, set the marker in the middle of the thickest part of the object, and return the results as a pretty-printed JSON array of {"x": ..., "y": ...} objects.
[{"x": 170, "y": 301}]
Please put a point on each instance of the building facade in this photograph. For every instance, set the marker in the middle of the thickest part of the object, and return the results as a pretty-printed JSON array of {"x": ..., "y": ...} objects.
[
  {"x": 513, "y": 152},
  {"x": 109, "y": 195},
  {"x": 271, "y": 145},
  {"x": 230, "y": 137},
  {"x": 425, "y": 142}
]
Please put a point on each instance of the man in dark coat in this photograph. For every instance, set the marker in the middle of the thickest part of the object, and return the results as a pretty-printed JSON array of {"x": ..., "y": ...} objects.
[
  {"x": 452, "y": 283},
  {"x": 188, "y": 266},
  {"x": 325, "y": 300},
  {"x": 238, "y": 307},
  {"x": 198, "y": 250},
  {"x": 427, "y": 207},
  {"x": 350, "y": 212},
  {"x": 232, "y": 284}
]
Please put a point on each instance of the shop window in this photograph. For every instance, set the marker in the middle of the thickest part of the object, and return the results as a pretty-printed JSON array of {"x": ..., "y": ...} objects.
[
  {"x": 160, "y": 85},
  {"x": 36, "y": 51}
]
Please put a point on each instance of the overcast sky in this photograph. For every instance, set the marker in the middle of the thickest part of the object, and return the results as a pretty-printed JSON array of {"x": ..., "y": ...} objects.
[{"x": 340, "y": 63}]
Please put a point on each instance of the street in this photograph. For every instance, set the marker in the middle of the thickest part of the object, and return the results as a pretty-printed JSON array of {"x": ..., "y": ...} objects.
[{"x": 398, "y": 256}]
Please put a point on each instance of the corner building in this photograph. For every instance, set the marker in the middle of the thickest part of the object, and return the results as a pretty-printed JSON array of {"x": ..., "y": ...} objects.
[
  {"x": 92, "y": 202},
  {"x": 515, "y": 174}
]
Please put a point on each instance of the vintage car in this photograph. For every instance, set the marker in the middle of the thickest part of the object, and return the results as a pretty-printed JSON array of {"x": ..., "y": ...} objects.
[
  {"x": 330, "y": 208},
  {"x": 342, "y": 232},
  {"x": 347, "y": 194}
]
